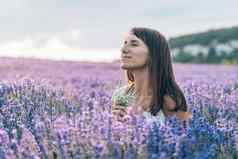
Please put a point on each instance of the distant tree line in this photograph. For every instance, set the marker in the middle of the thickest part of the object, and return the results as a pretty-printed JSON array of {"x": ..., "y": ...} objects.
[
  {"x": 206, "y": 39},
  {"x": 211, "y": 57}
]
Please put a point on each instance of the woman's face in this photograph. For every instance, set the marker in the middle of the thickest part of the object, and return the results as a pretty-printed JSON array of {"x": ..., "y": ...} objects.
[{"x": 134, "y": 53}]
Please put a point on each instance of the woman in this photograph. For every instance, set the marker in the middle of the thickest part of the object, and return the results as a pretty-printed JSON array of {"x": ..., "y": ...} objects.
[{"x": 146, "y": 59}]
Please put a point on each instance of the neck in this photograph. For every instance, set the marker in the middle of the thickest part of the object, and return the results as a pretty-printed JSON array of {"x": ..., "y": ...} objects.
[{"x": 143, "y": 88}]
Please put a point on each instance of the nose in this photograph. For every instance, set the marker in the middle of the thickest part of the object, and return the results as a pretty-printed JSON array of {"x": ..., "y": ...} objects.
[{"x": 124, "y": 50}]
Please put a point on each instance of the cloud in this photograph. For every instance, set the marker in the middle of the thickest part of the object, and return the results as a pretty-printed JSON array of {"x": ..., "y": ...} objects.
[
  {"x": 61, "y": 40},
  {"x": 86, "y": 24},
  {"x": 59, "y": 46}
]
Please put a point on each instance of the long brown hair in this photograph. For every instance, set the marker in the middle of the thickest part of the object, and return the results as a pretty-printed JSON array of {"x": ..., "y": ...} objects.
[{"x": 161, "y": 71}]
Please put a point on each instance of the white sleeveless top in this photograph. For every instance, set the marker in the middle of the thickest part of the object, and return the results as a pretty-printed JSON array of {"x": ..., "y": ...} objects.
[{"x": 121, "y": 97}]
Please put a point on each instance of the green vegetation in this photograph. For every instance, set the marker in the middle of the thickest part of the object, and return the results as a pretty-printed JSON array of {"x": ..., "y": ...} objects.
[{"x": 209, "y": 39}]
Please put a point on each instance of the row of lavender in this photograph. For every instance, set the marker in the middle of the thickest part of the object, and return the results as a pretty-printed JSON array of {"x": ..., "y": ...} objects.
[{"x": 71, "y": 117}]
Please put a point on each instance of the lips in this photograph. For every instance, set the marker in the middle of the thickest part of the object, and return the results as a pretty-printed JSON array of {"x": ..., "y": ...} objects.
[{"x": 125, "y": 58}]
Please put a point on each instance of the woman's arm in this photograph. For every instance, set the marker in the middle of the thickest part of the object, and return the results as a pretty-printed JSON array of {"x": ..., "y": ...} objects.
[{"x": 169, "y": 105}]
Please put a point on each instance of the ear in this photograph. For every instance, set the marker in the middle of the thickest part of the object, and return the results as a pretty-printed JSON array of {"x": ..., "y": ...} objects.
[
  {"x": 169, "y": 103},
  {"x": 149, "y": 61}
]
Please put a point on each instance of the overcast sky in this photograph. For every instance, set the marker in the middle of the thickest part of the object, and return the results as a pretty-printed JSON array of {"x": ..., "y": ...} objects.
[{"x": 69, "y": 27}]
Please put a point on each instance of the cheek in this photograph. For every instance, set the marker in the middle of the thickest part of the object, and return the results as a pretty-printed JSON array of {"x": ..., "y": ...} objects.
[
  {"x": 144, "y": 59},
  {"x": 143, "y": 56}
]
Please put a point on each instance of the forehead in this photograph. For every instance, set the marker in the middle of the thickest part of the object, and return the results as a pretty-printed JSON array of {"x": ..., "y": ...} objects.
[{"x": 131, "y": 37}]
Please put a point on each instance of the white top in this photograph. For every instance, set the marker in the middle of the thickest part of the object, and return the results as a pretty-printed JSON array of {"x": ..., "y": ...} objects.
[
  {"x": 160, "y": 117},
  {"x": 120, "y": 97}
]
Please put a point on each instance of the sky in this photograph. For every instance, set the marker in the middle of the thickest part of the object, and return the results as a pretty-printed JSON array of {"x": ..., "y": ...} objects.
[{"x": 94, "y": 30}]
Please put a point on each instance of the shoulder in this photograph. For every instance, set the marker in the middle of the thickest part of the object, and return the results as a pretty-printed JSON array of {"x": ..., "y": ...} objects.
[{"x": 183, "y": 116}]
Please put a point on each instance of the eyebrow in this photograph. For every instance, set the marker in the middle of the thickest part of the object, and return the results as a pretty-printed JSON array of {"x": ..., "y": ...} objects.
[{"x": 134, "y": 41}]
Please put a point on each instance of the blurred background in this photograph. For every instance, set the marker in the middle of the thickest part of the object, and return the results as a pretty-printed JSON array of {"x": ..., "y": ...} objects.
[{"x": 85, "y": 30}]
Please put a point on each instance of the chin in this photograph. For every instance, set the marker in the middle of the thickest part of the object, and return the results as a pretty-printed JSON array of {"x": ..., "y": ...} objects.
[{"x": 125, "y": 67}]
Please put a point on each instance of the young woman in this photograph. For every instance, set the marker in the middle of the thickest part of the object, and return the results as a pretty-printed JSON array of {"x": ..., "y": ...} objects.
[{"x": 146, "y": 59}]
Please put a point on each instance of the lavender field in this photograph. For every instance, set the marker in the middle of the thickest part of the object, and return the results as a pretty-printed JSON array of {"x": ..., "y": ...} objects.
[{"x": 52, "y": 109}]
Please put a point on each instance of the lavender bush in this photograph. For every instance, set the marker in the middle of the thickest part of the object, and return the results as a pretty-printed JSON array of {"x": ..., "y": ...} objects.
[{"x": 46, "y": 111}]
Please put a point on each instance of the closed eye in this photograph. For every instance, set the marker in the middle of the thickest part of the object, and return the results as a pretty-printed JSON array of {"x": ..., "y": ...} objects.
[{"x": 133, "y": 44}]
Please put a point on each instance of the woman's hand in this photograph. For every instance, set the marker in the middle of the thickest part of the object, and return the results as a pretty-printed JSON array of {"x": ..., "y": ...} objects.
[{"x": 119, "y": 111}]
